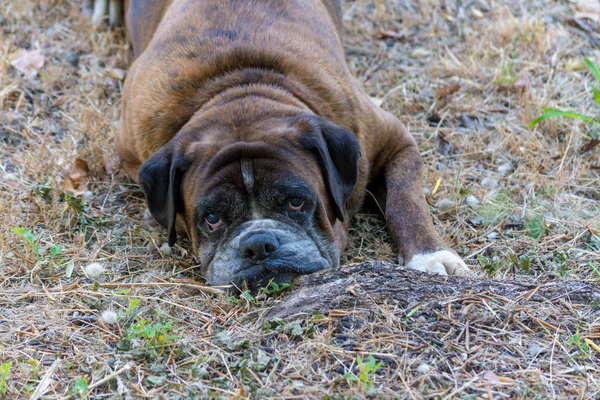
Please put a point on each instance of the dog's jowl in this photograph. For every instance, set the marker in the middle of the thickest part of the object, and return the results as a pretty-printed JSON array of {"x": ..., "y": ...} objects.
[{"x": 248, "y": 134}]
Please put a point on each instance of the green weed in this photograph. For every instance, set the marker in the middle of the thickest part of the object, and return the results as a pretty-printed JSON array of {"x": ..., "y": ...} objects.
[
  {"x": 593, "y": 267},
  {"x": 581, "y": 345},
  {"x": 523, "y": 262},
  {"x": 508, "y": 69},
  {"x": 80, "y": 388},
  {"x": 491, "y": 265},
  {"x": 366, "y": 372},
  {"x": 4, "y": 375},
  {"x": 33, "y": 243},
  {"x": 535, "y": 226},
  {"x": 274, "y": 289}
]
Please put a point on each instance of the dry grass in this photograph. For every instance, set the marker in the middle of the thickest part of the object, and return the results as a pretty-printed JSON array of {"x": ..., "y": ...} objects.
[{"x": 171, "y": 340}]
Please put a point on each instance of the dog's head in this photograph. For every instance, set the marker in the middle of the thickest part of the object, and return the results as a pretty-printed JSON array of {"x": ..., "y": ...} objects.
[{"x": 258, "y": 202}]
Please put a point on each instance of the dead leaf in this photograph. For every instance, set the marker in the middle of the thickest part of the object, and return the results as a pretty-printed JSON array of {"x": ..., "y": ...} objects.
[
  {"x": 115, "y": 73},
  {"x": 76, "y": 182},
  {"x": 389, "y": 35},
  {"x": 490, "y": 376},
  {"x": 28, "y": 62},
  {"x": 97, "y": 213},
  {"x": 80, "y": 170},
  {"x": 576, "y": 64},
  {"x": 442, "y": 92},
  {"x": 589, "y": 146},
  {"x": 523, "y": 83},
  {"x": 588, "y": 6},
  {"x": 59, "y": 101},
  {"x": 419, "y": 52},
  {"x": 445, "y": 148},
  {"x": 477, "y": 13},
  {"x": 587, "y": 15},
  {"x": 73, "y": 188}
]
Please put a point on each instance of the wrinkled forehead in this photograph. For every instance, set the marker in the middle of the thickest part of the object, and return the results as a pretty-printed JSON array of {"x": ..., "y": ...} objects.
[{"x": 240, "y": 183}]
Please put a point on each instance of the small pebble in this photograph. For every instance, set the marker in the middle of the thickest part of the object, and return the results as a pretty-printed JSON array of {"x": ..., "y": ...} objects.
[
  {"x": 489, "y": 183},
  {"x": 87, "y": 194},
  {"x": 94, "y": 270},
  {"x": 472, "y": 201},
  {"x": 73, "y": 59},
  {"x": 165, "y": 249},
  {"x": 446, "y": 205},
  {"x": 534, "y": 349},
  {"x": 10, "y": 254},
  {"x": 505, "y": 168},
  {"x": 493, "y": 235},
  {"x": 109, "y": 317},
  {"x": 423, "y": 369}
]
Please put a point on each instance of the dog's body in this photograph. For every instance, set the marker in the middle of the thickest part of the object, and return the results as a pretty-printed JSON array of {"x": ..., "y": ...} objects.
[{"x": 247, "y": 131}]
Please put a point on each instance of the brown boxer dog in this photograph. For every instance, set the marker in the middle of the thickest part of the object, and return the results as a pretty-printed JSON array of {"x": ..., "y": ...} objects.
[{"x": 246, "y": 130}]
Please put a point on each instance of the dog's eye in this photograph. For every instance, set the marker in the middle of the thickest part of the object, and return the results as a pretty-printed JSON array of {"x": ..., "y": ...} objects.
[
  {"x": 295, "y": 204},
  {"x": 213, "y": 221}
]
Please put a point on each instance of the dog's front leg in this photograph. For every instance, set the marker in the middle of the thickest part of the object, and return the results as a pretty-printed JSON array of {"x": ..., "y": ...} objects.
[{"x": 410, "y": 225}]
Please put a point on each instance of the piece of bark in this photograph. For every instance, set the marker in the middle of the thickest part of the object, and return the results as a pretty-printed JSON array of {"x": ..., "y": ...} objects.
[{"x": 361, "y": 285}]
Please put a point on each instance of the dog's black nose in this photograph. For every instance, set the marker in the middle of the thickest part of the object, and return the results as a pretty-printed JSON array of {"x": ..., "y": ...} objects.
[{"x": 257, "y": 246}]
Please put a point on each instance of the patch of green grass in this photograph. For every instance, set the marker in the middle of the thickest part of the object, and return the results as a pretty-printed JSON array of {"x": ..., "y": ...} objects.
[
  {"x": 593, "y": 267},
  {"x": 535, "y": 226},
  {"x": 508, "y": 69},
  {"x": 80, "y": 387},
  {"x": 366, "y": 373},
  {"x": 552, "y": 113},
  {"x": 4, "y": 375},
  {"x": 501, "y": 207},
  {"x": 491, "y": 265},
  {"x": 560, "y": 263}
]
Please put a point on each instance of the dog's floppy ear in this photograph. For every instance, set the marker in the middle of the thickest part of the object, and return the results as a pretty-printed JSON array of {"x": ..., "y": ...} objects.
[
  {"x": 160, "y": 177},
  {"x": 338, "y": 154}
]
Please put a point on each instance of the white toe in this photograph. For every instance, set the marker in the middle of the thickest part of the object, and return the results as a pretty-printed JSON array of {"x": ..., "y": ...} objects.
[
  {"x": 438, "y": 268},
  {"x": 441, "y": 262}
]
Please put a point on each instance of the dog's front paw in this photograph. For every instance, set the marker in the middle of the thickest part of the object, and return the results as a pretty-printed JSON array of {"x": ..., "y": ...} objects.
[{"x": 441, "y": 262}]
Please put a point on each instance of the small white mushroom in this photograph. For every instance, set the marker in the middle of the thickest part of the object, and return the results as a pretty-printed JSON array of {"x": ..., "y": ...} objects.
[
  {"x": 109, "y": 317},
  {"x": 423, "y": 369},
  {"x": 165, "y": 249},
  {"x": 505, "y": 168},
  {"x": 94, "y": 270}
]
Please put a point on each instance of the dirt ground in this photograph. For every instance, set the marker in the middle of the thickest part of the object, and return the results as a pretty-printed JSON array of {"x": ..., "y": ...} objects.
[{"x": 465, "y": 76}]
